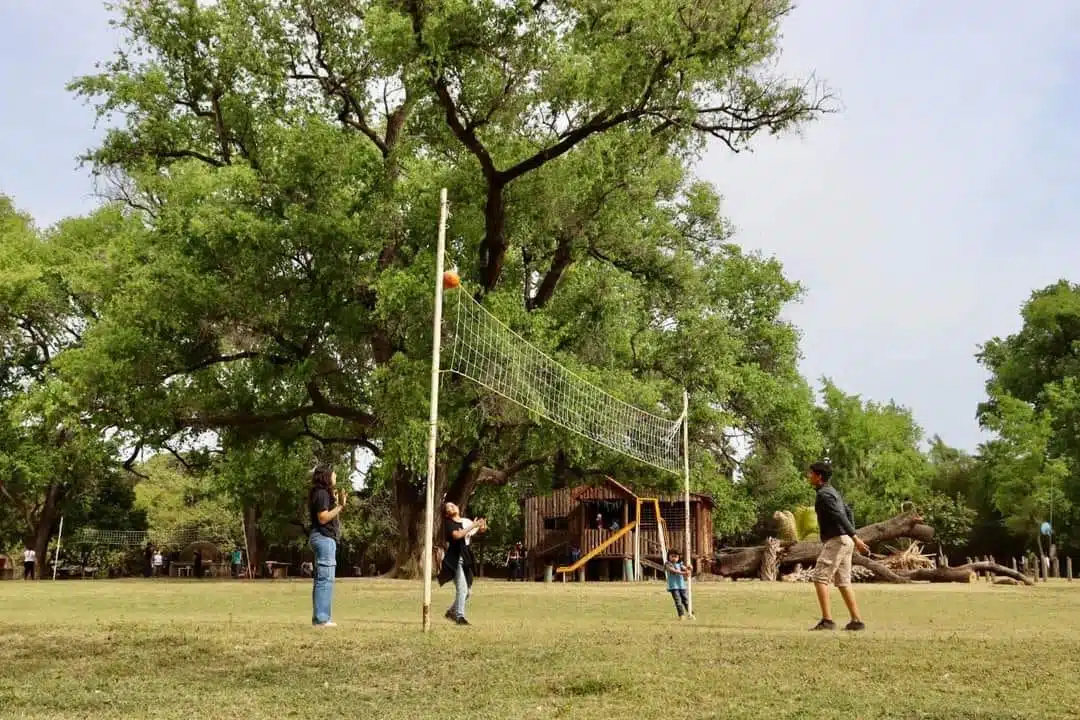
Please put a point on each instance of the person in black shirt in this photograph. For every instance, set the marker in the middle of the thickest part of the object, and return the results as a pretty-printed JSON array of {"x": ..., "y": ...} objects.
[
  {"x": 837, "y": 531},
  {"x": 457, "y": 564},
  {"x": 323, "y": 513},
  {"x": 515, "y": 563}
]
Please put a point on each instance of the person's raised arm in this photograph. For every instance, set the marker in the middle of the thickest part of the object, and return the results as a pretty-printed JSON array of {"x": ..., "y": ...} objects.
[{"x": 326, "y": 513}]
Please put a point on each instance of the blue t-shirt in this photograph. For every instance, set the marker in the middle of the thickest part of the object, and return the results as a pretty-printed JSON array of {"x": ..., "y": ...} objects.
[{"x": 675, "y": 581}]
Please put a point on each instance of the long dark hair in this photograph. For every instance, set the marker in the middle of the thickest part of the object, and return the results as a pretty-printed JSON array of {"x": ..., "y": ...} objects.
[{"x": 321, "y": 477}]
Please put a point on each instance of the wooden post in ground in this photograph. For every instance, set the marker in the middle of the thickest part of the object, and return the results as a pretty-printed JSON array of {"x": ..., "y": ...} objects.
[
  {"x": 581, "y": 574},
  {"x": 1014, "y": 565},
  {"x": 1068, "y": 567},
  {"x": 1056, "y": 567}
]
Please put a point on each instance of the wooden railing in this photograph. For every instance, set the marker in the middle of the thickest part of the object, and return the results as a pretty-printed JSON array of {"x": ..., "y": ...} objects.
[
  {"x": 650, "y": 541},
  {"x": 623, "y": 547}
]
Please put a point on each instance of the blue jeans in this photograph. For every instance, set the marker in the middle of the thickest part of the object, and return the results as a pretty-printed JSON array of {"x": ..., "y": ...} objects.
[
  {"x": 322, "y": 594},
  {"x": 682, "y": 601},
  {"x": 461, "y": 592}
]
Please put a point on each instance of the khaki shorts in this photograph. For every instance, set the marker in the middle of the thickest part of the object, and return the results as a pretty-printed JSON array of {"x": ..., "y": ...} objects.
[{"x": 834, "y": 562}]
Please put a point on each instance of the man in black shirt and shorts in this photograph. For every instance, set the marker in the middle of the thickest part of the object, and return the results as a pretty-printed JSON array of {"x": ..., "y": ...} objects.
[{"x": 837, "y": 530}]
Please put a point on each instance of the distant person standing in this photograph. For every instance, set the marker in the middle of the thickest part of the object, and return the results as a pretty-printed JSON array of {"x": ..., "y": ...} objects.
[
  {"x": 237, "y": 562},
  {"x": 323, "y": 514},
  {"x": 837, "y": 531},
  {"x": 515, "y": 562},
  {"x": 198, "y": 563},
  {"x": 29, "y": 562},
  {"x": 148, "y": 560},
  {"x": 159, "y": 562},
  {"x": 676, "y": 572}
]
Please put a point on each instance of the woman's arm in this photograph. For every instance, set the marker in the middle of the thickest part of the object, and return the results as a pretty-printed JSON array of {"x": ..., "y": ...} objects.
[{"x": 326, "y": 516}]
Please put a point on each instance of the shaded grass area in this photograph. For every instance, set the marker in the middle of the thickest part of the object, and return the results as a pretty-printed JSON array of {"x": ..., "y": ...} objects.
[{"x": 180, "y": 649}]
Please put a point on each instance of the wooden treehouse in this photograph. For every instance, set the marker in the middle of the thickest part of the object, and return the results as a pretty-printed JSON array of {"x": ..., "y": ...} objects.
[{"x": 606, "y": 532}]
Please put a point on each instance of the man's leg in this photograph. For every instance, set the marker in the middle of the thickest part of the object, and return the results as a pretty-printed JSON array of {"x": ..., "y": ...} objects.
[
  {"x": 849, "y": 600},
  {"x": 822, "y": 590},
  {"x": 824, "y": 571},
  {"x": 843, "y": 583}
]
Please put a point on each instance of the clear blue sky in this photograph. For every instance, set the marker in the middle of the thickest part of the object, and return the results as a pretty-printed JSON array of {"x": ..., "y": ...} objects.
[{"x": 919, "y": 218}]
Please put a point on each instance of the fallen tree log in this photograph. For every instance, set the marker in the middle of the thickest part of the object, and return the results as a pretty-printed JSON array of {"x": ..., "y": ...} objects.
[
  {"x": 881, "y": 572},
  {"x": 746, "y": 562},
  {"x": 971, "y": 570},
  {"x": 962, "y": 574}
]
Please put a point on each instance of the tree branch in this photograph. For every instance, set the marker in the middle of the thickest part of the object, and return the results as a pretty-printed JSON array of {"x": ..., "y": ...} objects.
[
  {"x": 559, "y": 263},
  {"x": 182, "y": 154},
  {"x": 321, "y": 405},
  {"x": 356, "y": 441},
  {"x": 129, "y": 464},
  {"x": 216, "y": 360},
  {"x": 465, "y": 133},
  {"x": 491, "y": 476}
]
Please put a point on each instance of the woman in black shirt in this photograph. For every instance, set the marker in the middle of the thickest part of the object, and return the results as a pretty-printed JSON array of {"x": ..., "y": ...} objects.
[
  {"x": 325, "y": 530},
  {"x": 457, "y": 564}
]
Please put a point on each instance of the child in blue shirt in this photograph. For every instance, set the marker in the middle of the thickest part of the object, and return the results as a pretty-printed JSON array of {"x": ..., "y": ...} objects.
[{"x": 677, "y": 572}]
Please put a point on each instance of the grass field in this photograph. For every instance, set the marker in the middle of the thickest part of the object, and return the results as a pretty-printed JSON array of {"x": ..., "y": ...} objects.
[{"x": 181, "y": 649}]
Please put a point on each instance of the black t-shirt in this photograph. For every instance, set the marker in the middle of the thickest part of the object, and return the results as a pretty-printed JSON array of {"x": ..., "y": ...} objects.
[
  {"x": 454, "y": 548},
  {"x": 321, "y": 501}
]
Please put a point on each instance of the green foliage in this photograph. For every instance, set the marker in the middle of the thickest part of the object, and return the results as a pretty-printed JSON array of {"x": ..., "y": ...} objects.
[
  {"x": 502, "y": 508},
  {"x": 52, "y": 461},
  {"x": 875, "y": 454},
  {"x": 1033, "y": 406},
  {"x": 273, "y": 283},
  {"x": 180, "y": 504}
]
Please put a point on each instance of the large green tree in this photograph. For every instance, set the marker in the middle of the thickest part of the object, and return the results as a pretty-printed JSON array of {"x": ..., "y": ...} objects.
[
  {"x": 52, "y": 462},
  {"x": 1033, "y": 409},
  {"x": 283, "y": 160},
  {"x": 882, "y": 467}
]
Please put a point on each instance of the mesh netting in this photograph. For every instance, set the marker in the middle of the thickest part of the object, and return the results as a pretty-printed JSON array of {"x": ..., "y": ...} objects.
[{"x": 489, "y": 353}]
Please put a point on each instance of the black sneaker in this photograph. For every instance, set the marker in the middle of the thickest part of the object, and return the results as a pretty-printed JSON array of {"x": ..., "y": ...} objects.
[
  {"x": 449, "y": 615},
  {"x": 462, "y": 621},
  {"x": 855, "y": 626},
  {"x": 825, "y": 625}
]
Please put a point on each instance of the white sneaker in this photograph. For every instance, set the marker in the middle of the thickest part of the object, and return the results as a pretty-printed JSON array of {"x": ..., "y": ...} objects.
[{"x": 330, "y": 624}]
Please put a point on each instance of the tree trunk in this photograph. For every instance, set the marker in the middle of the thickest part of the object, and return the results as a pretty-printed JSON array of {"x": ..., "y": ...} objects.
[
  {"x": 770, "y": 566},
  {"x": 409, "y": 501},
  {"x": 43, "y": 527},
  {"x": 256, "y": 551},
  {"x": 745, "y": 562}
]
